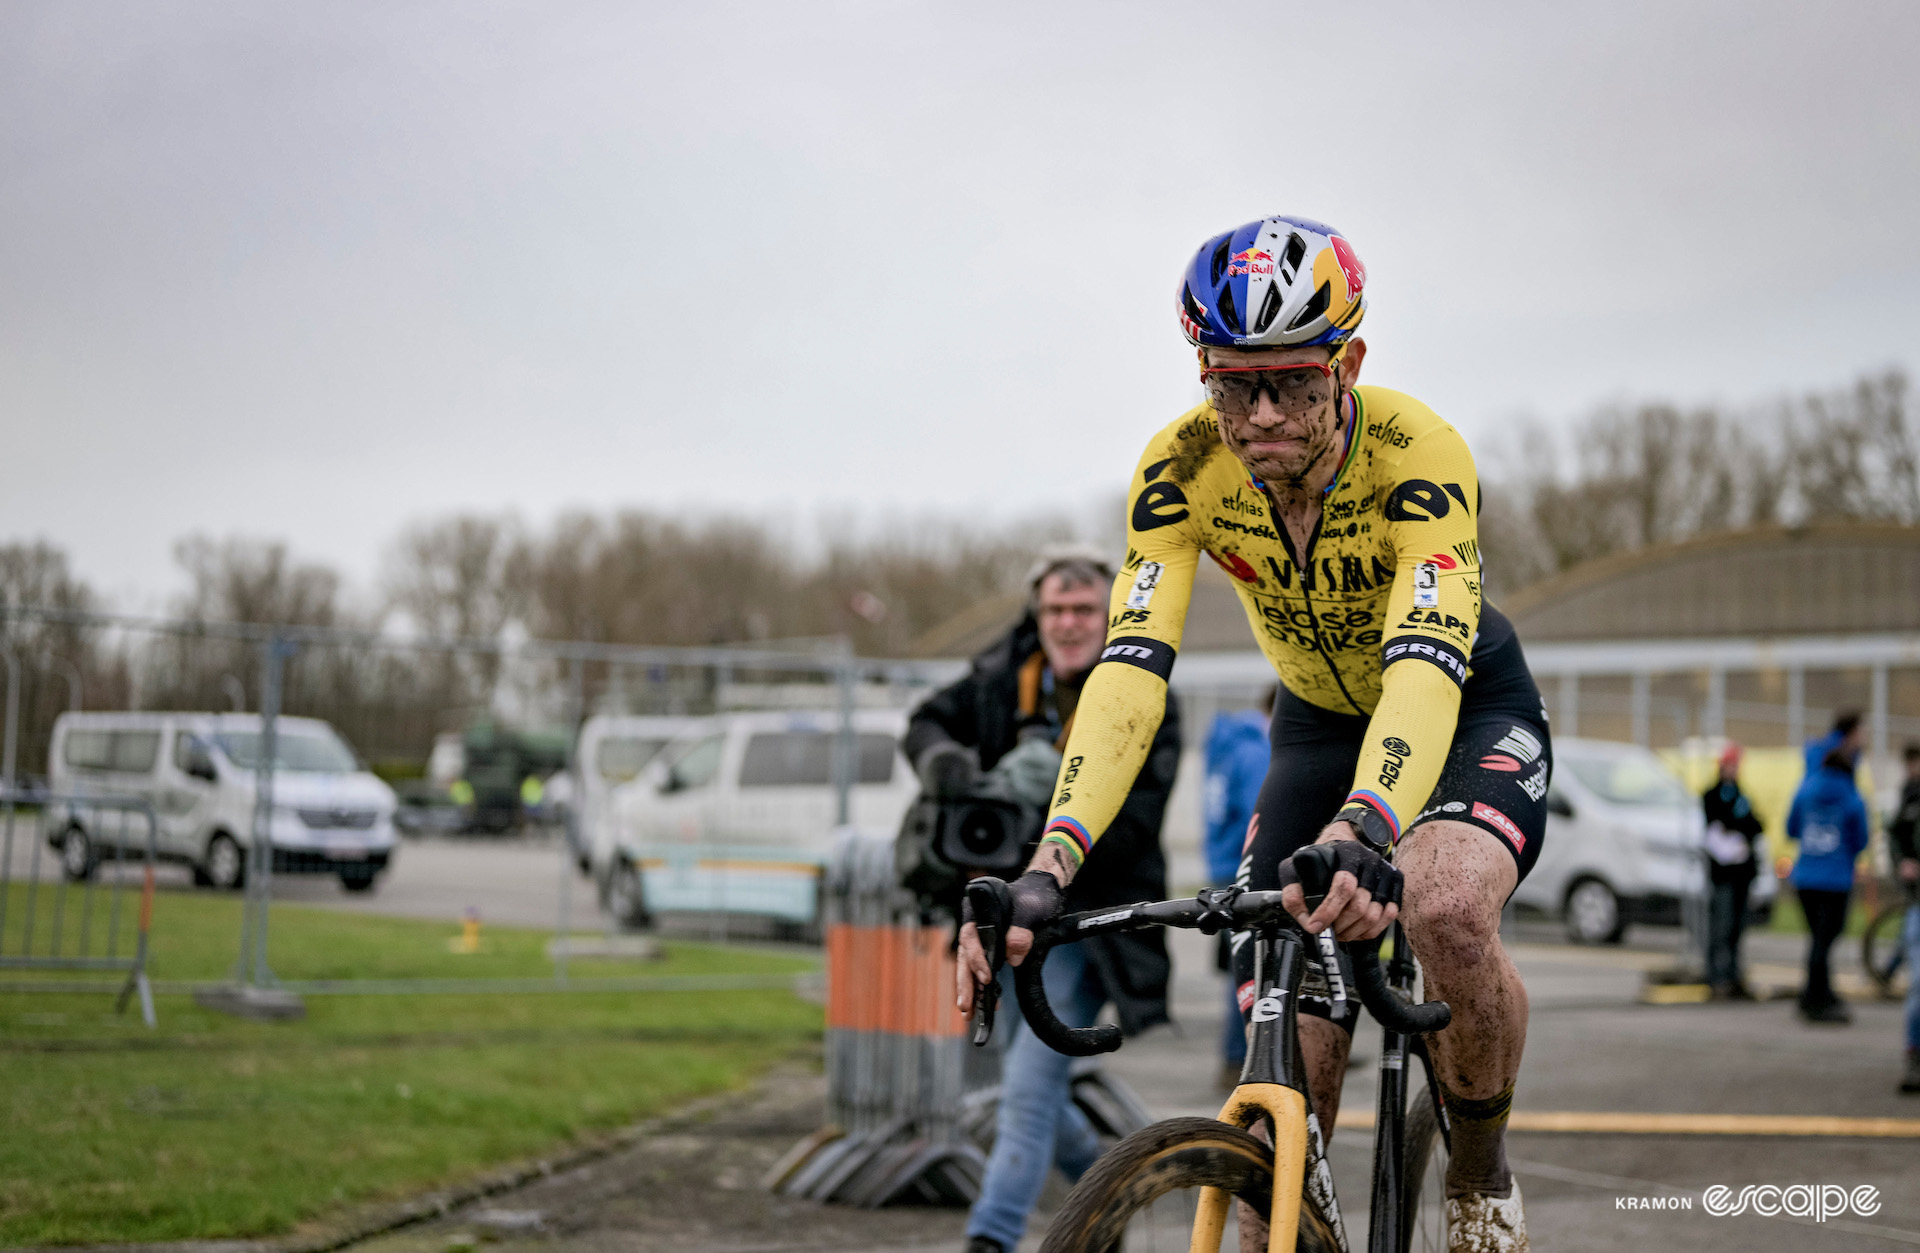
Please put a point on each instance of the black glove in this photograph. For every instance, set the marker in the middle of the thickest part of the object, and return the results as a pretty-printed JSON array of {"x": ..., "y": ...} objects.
[
  {"x": 1377, "y": 876},
  {"x": 1037, "y": 897}
]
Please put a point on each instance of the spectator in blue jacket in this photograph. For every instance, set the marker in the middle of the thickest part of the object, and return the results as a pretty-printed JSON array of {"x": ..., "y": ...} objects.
[
  {"x": 1829, "y": 820},
  {"x": 1237, "y": 759},
  {"x": 1846, "y": 736}
]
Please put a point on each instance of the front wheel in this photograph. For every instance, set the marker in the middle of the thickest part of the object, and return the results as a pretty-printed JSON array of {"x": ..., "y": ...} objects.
[
  {"x": 1144, "y": 1193},
  {"x": 1423, "y": 1156},
  {"x": 1594, "y": 915},
  {"x": 627, "y": 895},
  {"x": 226, "y": 865},
  {"x": 359, "y": 879},
  {"x": 77, "y": 856}
]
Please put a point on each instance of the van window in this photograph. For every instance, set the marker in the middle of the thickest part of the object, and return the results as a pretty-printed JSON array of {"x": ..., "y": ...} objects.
[
  {"x": 620, "y": 759},
  {"x": 184, "y": 742},
  {"x": 90, "y": 750},
  {"x": 697, "y": 765},
  {"x": 134, "y": 752},
  {"x": 318, "y": 752},
  {"x": 805, "y": 759},
  {"x": 1628, "y": 780}
]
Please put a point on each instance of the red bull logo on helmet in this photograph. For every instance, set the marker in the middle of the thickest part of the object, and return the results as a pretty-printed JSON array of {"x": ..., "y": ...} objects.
[
  {"x": 1255, "y": 261},
  {"x": 1350, "y": 266}
]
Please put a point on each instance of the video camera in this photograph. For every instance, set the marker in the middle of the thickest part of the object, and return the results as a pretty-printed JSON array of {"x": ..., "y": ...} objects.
[{"x": 966, "y": 823}]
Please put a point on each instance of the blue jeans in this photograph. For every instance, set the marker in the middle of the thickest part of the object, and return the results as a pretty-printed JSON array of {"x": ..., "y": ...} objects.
[
  {"x": 1911, "y": 937},
  {"x": 1233, "y": 1031},
  {"x": 1039, "y": 1123}
]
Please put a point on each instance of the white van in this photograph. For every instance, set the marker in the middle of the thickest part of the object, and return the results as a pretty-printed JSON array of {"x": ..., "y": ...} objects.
[
  {"x": 330, "y": 815},
  {"x": 613, "y": 749},
  {"x": 738, "y": 818},
  {"x": 1624, "y": 843}
]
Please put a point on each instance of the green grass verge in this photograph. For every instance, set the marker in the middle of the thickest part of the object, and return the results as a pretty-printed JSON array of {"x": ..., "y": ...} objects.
[{"x": 211, "y": 1127}]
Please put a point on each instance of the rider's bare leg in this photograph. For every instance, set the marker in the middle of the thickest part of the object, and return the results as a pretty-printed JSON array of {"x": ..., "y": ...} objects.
[
  {"x": 1324, "y": 1047},
  {"x": 1457, "y": 879}
]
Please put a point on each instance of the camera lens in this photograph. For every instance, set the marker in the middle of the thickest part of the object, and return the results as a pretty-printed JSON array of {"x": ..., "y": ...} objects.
[{"x": 981, "y": 834}]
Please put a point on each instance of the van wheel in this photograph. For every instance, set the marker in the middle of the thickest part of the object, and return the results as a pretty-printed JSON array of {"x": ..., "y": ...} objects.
[
  {"x": 359, "y": 879},
  {"x": 78, "y": 859},
  {"x": 1593, "y": 914},
  {"x": 627, "y": 895},
  {"x": 226, "y": 865}
]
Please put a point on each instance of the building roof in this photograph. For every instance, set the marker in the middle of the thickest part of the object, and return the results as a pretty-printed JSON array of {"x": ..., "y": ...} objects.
[
  {"x": 1834, "y": 579},
  {"x": 1840, "y": 578}
]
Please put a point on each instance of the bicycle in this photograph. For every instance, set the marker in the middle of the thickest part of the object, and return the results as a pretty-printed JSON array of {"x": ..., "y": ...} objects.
[
  {"x": 1183, "y": 1173},
  {"x": 1881, "y": 950}
]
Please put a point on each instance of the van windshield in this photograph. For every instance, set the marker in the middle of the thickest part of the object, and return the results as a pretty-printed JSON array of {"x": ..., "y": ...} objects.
[
  {"x": 1628, "y": 780},
  {"x": 302, "y": 750}
]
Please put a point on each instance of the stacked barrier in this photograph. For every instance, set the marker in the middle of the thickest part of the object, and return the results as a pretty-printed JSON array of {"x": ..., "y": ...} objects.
[
  {"x": 65, "y": 880},
  {"x": 898, "y": 1062}
]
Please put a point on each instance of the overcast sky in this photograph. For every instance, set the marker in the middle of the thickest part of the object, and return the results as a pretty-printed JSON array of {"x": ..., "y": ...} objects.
[{"x": 310, "y": 271}]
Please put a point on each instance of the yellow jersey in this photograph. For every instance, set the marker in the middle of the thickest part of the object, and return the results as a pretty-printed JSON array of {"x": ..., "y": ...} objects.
[{"x": 1391, "y": 575}]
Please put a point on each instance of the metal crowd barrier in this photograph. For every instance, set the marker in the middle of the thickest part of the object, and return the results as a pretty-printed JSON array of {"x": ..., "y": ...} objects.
[
  {"x": 898, "y": 1064},
  {"x": 65, "y": 883}
]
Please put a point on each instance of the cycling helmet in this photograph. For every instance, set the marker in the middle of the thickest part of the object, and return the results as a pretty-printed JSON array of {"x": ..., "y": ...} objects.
[{"x": 1273, "y": 283}]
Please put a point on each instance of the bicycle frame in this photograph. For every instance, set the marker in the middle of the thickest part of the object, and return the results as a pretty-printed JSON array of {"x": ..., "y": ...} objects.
[{"x": 1273, "y": 1083}]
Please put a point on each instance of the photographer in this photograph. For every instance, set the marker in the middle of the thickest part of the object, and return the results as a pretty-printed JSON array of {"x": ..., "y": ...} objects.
[{"x": 997, "y": 734}]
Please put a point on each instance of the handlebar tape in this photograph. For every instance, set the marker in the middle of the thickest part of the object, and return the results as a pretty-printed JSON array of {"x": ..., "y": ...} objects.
[
  {"x": 1056, "y": 1035},
  {"x": 1315, "y": 864},
  {"x": 1389, "y": 1007}
]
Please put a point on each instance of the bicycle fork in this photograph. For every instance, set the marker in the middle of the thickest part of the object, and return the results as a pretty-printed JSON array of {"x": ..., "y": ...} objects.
[{"x": 1273, "y": 1088}]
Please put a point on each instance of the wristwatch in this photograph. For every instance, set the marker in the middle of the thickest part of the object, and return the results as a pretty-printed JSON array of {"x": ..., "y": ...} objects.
[{"x": 1373, "y": 828}]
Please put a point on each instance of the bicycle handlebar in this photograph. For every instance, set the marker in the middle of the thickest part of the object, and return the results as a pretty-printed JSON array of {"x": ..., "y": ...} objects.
[{"x": 1212, "y": 911}]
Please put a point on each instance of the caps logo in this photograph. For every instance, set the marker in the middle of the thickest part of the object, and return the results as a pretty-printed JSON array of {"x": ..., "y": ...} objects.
[
  {"x": 1350, "y": 266},
  {"x": 1255, "y": 261}
]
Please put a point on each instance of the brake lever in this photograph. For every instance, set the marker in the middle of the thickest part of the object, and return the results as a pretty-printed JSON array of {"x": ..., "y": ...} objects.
[{"x": 992, "y": 905}]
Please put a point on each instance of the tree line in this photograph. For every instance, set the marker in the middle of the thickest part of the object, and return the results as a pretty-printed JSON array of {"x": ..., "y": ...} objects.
[{"x": 1622, "y": 478}]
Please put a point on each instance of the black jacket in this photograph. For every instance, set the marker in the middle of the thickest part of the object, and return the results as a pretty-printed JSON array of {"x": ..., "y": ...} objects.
[
  {"x": 1724, "y": 804},
  {"x": 1903, "y": 833},
  {"x": 982, "y": 711}
]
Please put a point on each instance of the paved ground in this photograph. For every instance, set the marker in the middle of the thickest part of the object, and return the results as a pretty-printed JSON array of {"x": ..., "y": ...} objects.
[{"x": 1592, "y": 1047}]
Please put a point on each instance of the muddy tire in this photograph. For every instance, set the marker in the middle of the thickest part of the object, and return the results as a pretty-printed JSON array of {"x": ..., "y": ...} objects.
[{"x": 1179, "y": 1155}]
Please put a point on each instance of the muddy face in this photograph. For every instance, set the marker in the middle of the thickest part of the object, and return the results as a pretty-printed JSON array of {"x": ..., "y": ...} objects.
[{"x": 1277, "y": 446}]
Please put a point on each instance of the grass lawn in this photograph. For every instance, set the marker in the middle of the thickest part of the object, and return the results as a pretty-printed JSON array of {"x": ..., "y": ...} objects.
[{"x": 214, "y": 1127}]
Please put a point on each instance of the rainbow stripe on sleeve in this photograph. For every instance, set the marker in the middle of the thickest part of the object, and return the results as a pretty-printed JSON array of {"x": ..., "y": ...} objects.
[
  {"x": 1373, "y": 802},
  {"x": 1071, "y": 836}
]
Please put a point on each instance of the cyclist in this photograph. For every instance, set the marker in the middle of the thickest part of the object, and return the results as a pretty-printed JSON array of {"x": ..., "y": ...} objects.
[{"x": 1408, "y": 724}]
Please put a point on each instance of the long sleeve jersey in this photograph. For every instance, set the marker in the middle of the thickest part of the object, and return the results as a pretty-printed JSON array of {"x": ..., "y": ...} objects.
[{"x": 1378, "y": 616}]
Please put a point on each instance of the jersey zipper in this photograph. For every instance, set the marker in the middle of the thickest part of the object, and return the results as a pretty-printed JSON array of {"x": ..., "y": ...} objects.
[{"x": 1286, "y": 538}]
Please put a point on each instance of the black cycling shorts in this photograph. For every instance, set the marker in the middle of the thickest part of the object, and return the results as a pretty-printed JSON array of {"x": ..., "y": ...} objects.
[{"x": 1495, "y": 778}]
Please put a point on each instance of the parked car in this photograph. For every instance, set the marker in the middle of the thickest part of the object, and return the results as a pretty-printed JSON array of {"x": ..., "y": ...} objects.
[
  {"x": 738, "y": 817},
  {"x": 613, "y": 749},
  {"x": 1623, "y": 845},
  {"x": 330, "y": 814}
]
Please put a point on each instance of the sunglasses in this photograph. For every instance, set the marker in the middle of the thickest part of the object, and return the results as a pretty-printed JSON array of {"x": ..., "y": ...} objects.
[{"x": 1293, "y": 388}]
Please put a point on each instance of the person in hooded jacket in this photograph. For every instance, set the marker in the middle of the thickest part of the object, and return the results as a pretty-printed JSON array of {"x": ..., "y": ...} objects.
[
  {"x": 1237, "y": 756},
  {"x": 1011, "y": 714},
  {"x": 1732, "y": 857},
  {"x": 1829, "y": 821}
]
